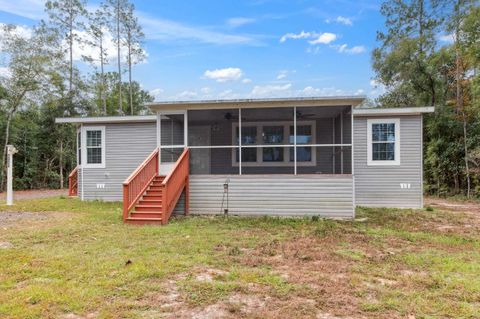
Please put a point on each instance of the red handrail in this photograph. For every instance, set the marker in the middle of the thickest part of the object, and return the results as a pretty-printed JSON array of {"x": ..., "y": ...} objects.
[
  {"x": 173, "y": 185},
  {"x": 73, "y": 182},
  {"x": 136, "y": 184}
]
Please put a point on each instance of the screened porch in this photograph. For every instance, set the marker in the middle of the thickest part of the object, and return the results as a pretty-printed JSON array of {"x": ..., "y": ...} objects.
[{"x": 272, "y": 140}]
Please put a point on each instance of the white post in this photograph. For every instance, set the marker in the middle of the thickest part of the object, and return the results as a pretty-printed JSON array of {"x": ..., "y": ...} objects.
[{"x": 10, "y": 151}]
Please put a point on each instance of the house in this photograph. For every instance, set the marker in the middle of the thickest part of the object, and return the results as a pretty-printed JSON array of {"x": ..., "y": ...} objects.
[{"x": 289, "y": 157}]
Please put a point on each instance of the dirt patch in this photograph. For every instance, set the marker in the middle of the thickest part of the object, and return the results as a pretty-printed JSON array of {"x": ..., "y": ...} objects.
[
  {"x": 6, "y": 245},
  {"x": 471, "y": 208},
  {"x": 9, "y": 219},
  {"x": 36, "y": 193}
]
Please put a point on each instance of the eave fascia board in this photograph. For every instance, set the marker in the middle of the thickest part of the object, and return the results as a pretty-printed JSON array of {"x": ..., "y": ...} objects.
[
  {"x": 107, "y": 119},
  {"x": 393, "y": 111}
]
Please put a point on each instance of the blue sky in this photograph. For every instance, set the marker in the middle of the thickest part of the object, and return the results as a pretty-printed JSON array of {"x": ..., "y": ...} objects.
[{"x": 247, "y": 49}]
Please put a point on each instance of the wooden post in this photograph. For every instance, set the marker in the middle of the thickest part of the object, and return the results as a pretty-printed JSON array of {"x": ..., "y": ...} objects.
[{"x": 125, "y": 202}]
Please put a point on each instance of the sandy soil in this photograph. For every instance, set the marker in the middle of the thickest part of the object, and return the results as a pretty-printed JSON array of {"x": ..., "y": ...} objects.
[{"x": 37, "y": 193}]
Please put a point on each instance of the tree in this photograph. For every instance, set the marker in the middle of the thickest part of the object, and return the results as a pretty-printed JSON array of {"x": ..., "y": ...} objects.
[
  {"x": 416, "y": 70},
  {"x": 65, "y": 18},
  {"x": 133, "y": 38},
  {"x": 117, "y": 9},
  {"x": 97, "y": 28},
  {"x": 401, "y": 61},
  {"x": 139, "y": 97},
  {"x": 29, "y": 63},
  {"x": 455, "y": 25}
]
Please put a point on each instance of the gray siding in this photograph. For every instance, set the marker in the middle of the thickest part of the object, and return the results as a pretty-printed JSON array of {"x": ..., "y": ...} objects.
[
  {"x": 126, "y": 147},
  {"x": 287, "y": 195},
  {"x": 380, "y": 185}
]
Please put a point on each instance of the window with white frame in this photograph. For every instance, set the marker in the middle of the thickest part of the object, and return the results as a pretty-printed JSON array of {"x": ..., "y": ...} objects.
[
  {"x": 383, "y": 145},
  {"x": 272, "y": 143},
  {"x": 94, "y": 147}
]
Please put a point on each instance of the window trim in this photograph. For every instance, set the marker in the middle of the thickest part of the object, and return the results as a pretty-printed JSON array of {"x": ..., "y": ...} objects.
[
  {"x": 78, "y": 146},
  {"x": 370, "y": 160},
  {"x": 85, "y": 129},
  {"x": 285, "y": 144}
]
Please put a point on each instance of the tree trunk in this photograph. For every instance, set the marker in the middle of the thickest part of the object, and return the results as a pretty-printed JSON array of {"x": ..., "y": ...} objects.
[
  {"x": 465, "y": 147},
  {"x": 70, "y": 78},
  {"x": 4, "y": 154},
  {"x": 102, "y": 74},
  {"x": 60, "y": 168},
  {"x": 120, "y": 107},
  {"x": 130, "y": 73},
  {"x": 459, "y": 93}
]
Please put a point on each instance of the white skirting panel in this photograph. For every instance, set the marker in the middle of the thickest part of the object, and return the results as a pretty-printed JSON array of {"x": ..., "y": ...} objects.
[{"x": 277, "y": 195}]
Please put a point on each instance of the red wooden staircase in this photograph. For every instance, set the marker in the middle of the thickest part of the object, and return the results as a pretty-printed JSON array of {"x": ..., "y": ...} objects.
[{"x": 149, "y": 198}]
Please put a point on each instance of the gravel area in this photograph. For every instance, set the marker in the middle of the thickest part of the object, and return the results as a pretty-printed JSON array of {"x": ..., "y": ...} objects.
[{"x": 36, "y": 193}]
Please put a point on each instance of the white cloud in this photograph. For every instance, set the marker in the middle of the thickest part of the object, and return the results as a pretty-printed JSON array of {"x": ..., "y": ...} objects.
[
  {"x": 206, "y": 90},
  {"x": 239, "y": 21},
  {"x": 271, "y": 90},
  {"x": 447, "y": 38},
  {"x": 157, "y": 93},
  {"x": 185, "y": 95},
  {"x": 19, "y": 30},
  {"x": 82, "y": 48},
  {"x": 224, "y": 75},
  {"x": 353, "y": 50},
  {"x": 167, "y": 30},
  {"x": 282, "y": 75},
  {"x": 312, "y": 91},
  {"x": 377, "y": 88},
  {"x": 324, "y": 38},
  {"x": 5, "y": 72},
  {"x": 341, "y": 20},
  {"x": 246, "y": 81},
  {"x": 32, "y": 9},
  {"x": 296, "y": 36},
  {"x": 359, "y": 92}
]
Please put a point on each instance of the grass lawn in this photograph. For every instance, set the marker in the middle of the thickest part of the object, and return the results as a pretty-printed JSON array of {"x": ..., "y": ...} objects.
[{"x": 61, "y": 258}]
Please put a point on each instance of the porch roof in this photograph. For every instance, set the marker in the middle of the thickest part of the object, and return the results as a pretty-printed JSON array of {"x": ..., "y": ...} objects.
[{"x": 258, "y": 103}]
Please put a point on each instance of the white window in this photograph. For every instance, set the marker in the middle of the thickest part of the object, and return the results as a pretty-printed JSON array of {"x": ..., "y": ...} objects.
[
  {"x": 272, "y": 144},
  {"x": 383, "y": 142},
  {"x": 93, "y": 142}
]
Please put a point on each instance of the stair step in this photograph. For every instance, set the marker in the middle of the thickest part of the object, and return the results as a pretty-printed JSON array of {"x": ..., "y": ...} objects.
[
  {"x": 152, "y": 197},
  {"x": 136, "y": 214},
  {"x": 155, "y": 188},
  {"x": 148, "y": 201},
  {"x": 143, "y": 220},
  {"x": 148, "y": 208},
  {"x": 153, "y": 192}
]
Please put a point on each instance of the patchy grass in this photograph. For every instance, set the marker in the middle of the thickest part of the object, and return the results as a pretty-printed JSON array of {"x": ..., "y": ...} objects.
[{"x": 73, "y": 259}]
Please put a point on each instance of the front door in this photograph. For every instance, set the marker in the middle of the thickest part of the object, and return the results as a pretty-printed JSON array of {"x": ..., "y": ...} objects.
[{"x": 172, "y": 138}]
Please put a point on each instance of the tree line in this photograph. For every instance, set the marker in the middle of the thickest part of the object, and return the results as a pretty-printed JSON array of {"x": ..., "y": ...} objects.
[
  {"x": 49, "y": 73},
  {"x": 429, "y": 55}
]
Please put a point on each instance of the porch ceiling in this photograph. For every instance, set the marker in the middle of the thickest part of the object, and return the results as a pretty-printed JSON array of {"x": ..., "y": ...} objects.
[{"x": 259, "y": 103}]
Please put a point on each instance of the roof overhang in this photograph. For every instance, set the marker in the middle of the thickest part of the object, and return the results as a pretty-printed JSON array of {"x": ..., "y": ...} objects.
[
  {"x": 107, "y": 119},
  {"x": 393, "y": 111},
  {"x": 258, "y": 103}
]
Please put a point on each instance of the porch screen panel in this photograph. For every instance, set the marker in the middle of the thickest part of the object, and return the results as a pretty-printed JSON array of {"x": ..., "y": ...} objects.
[
  {"x": 210, "y": 140},
  {"x": 323, "y": 140},
  {"x": 170, "y": 154},
  {"x": 266, "y": 142},
  {"x": 172, "y": 129}
]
